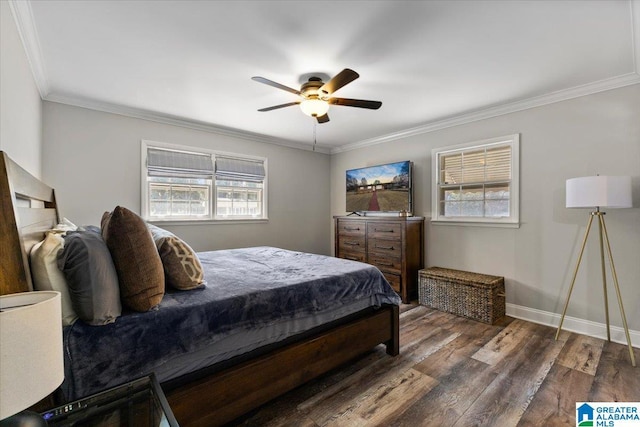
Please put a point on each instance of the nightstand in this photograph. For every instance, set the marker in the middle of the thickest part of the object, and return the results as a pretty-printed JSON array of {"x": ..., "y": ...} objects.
[{"x": 137, "y": 403}]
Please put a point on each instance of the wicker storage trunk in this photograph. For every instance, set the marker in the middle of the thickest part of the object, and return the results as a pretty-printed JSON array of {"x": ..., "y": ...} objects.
[{"x": 477, "y": 296}]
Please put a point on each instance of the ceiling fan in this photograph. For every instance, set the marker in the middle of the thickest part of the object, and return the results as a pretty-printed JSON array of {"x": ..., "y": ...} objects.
[{"x": 316, "y": 95}]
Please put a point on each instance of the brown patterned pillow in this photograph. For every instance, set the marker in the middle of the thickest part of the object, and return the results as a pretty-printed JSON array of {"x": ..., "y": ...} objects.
[
  {"x": 135, "y": 257},
  {"x": 182, "y": 268}
]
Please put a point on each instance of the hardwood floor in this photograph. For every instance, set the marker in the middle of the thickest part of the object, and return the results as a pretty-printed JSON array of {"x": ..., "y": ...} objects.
[{"x": 453, "y": 371}]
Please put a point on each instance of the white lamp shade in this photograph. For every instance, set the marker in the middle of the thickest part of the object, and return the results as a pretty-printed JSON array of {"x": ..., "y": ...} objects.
[
  {"x": 599, "y": 191},
  {"x": 31, "y": 358}
]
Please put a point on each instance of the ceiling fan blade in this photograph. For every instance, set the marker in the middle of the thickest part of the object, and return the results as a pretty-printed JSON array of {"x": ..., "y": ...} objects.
[
  {"x": 343, "y": 78},
  {"x": 323, "y": 119},
  {"x": 360, "y": 103},
  {"x": 274, "y": 84},
  {"x": 275, "y": 107}
]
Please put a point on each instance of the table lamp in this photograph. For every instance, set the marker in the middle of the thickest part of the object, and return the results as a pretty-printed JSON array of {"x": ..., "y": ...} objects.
[
  {"x": 597, "y": 192},
  {"x": 31, "y": 358}
]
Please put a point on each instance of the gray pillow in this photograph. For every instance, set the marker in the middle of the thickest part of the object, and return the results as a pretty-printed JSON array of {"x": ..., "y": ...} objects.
[{"x": 91, "y": 277}]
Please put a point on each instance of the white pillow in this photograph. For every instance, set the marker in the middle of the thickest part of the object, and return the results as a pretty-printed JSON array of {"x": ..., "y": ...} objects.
[
  {"x": 47, "y": 276},
  {"x": 65, "y": 226}
]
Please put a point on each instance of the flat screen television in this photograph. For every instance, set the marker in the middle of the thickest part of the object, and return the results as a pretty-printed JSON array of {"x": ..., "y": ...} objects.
[{"x": 382, "y": 189}]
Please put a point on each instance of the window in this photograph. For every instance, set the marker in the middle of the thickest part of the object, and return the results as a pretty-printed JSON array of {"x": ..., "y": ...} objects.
[
  {"x": 186, "y": 184},
  {"x": 239, "y": 187},
  {"x": 477, "y": 183}
]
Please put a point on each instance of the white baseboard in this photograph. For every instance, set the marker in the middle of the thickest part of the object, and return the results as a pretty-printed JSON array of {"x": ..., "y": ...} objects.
[{"x": 573, "y": 324}]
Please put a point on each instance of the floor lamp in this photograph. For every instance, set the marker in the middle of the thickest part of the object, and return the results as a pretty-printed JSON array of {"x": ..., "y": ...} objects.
[{"x": 600, "y": 192}]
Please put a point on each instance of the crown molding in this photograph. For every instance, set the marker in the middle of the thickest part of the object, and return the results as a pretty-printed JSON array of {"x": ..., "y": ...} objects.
[
  {"x": 499, "y": 110},
  {"x": 139, "y": 113},
  {"x": 23, "y": 17}
]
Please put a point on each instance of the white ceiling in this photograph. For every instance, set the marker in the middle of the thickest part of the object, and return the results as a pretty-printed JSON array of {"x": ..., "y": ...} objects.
[{"x": 431, "y": 63}]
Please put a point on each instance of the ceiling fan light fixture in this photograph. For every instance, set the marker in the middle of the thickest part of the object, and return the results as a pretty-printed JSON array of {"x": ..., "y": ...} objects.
[
  {"x": 314, "y": 107},
  {"x": 316, "y": 96}
]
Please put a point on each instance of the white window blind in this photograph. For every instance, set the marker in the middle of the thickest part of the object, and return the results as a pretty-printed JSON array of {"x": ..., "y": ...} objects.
[
  {"x": 234, "y": 169},
  {"x": 161, "y": 162},
  {"x": 477, "y": 182},
  {"x": 477, "y": 166}
]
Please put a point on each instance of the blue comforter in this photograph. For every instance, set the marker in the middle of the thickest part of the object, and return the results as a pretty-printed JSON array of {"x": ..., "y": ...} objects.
[{"x": 245, "y": 288}]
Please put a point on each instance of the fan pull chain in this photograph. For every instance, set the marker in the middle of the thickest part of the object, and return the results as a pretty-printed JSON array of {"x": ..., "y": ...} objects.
[{"x": 314, "y": 136}]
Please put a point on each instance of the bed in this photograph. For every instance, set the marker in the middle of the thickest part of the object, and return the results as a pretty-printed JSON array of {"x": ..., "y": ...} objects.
[{"x": 214, "y": 377}]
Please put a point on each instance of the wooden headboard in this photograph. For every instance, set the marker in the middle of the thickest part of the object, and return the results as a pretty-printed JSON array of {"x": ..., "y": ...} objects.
[{"x": 28, "y": 209}]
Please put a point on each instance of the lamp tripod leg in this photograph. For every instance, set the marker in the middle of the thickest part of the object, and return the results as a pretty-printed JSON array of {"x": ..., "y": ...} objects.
[
  {"x": 575, "y": 274},
  {"x": 604, "y": 274},
  {"x": 617, "y": 286}
]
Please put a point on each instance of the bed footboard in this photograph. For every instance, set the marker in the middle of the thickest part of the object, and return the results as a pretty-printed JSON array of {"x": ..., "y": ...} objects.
[{"x": 221, "y": 397}]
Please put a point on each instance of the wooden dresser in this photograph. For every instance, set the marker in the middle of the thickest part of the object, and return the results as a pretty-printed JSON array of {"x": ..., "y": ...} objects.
[{"x": 393, "y": 244}]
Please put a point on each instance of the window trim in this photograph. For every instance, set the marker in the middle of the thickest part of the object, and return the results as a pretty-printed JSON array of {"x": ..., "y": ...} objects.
[
  {"x": 513, "y": 220},
  {"x": 211, "y": 219}
]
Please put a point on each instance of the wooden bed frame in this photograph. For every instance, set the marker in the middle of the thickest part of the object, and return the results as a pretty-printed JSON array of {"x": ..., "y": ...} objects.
[{"x": 222, "y": 392}]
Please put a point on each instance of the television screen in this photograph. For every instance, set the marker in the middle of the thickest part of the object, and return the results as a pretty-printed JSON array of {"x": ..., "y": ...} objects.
[{"x": 382, "y": 188}]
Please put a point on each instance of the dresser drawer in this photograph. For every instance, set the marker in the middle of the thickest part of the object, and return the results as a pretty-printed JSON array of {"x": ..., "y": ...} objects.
[
  {"x": 385, "y": 263},
  {"x": 353, "y": 255},
  {"x": 385, "y": 248},
  {"x": 384, "y": 230},
  {"x": 394, "y": 280},
  {"x": 351, "y": 244},
  {"x": 351, "y": 228}
]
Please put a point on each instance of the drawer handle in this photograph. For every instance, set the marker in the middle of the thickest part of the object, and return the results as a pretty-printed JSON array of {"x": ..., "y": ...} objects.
[
  {"x": 352, "y": 229},
  {"x": 352, "y": 243},
  {"x": 384, "y": 231},
  {"x": 386, "y": 264},
  {"x": 390, "y": 248},
  {"x": 352, "y": 258}
]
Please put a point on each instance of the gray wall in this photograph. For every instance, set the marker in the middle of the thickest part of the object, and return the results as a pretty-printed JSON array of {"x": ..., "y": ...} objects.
[
  {"x": 20, "y": 103},
  {"x": 92, "y": 159},
  {"x": 599, "y": 133}
]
